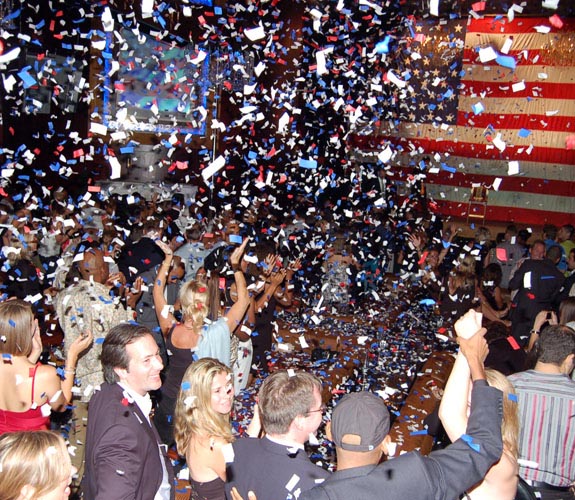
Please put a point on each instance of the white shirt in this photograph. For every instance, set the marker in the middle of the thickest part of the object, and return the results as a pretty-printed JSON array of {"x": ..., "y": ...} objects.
[{"x": 145, "y": 405}]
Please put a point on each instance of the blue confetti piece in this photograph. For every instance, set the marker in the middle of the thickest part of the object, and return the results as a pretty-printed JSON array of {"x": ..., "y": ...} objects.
[
  {"x": 512, "y": 397},
  {"x": 99, "y": 340},
  {"x": 419, "y": 433},
  {"x": 469, "y": 440},
  {"x": 427, "y": 302},
  {"x": 506, "y": 61},
  {"x": 383, "y": 46},
  {"x": 11, "y": 323},
  {"x": 307, "y": 163},
  {"x": 186, "y": 386},
  {"x": 523, "y": 132}
]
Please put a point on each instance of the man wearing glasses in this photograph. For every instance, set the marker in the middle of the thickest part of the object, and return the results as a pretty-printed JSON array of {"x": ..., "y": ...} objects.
[{"x": 277, "y": 466}]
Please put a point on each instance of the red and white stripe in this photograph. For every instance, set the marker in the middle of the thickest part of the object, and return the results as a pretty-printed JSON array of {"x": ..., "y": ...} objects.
[{"x": 544, "y": 189}]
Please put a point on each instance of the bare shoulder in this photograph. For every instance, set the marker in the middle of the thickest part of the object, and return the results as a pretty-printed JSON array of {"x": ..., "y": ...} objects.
[{"x": 46, "y": 372}]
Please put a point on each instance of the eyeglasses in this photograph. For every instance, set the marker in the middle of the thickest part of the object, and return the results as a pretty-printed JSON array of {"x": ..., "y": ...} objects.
[{"x": 322, "y": 408}]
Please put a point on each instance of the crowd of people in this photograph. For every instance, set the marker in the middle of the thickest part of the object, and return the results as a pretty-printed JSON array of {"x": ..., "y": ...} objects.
[{"x": 161, "y": 297}]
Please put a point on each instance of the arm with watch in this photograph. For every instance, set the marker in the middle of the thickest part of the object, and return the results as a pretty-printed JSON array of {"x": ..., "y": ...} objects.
[{"x": 542, "y": 317}]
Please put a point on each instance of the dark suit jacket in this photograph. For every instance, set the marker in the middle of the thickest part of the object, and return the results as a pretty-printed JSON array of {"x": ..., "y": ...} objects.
[
  {"x": 139, "y": 257},
  {"x": 122, "y": 454},
  {"x": 372, "y": 187},
  {"x": 444, "y": 474},
  {"x": 266, "y": 468},
  {"x": 546, "y": 282}
]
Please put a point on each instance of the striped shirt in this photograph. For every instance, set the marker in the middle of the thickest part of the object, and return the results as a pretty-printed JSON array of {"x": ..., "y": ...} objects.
[{"x": 547, "y": 434}]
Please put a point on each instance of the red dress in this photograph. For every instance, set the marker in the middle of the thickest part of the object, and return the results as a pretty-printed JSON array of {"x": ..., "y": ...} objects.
[{"x": 29, "y": 420}]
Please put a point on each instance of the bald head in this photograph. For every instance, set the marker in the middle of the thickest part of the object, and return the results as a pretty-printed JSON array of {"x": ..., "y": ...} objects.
[{"x": 93, "y": 267}]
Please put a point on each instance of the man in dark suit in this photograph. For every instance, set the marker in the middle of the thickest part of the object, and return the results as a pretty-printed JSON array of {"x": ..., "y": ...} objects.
[
  {"x": 277, "y": 466},
  {"x": 359, "y": 429},
  {"x": 538, "y": 283},
  {"x": 379, "y": 190},
  {"x": 140, "y": 260},
  {"x": 124, "y": 455}
]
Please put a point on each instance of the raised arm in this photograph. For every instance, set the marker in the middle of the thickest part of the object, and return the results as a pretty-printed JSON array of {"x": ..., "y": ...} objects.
[
  {"x": 541, "y": 318},
  {"x": 446, "y": 242},
  {"x": 465, "y": 462},
  {"x": 165, "y": 318},
  {"x": 236, "y": 313},
  {"x": 270, "y": 289},
  {"x": 470, "y": 336},
  {"x": 453, "y": 410},
  {"x": 58, "y": 391}
]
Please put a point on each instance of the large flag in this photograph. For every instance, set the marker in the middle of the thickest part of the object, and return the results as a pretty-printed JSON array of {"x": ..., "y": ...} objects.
[{"x": 514, "y": 129}]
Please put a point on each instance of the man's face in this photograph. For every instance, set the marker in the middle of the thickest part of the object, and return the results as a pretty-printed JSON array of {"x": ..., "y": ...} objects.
[
  {"x": 571, "y": 260},
  {"x": 94, "y": 266},
  {"x": 143, "y": 373},
  {"x": 232, "y": 228},
  {"x": 315, "y": 415}
]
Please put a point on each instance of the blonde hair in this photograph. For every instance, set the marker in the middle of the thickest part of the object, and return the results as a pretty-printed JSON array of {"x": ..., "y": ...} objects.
[
  {"x": 35, "y": 458},
  {"x": 467, "y": 264},
  {"x": 510, "y": 421},
  {"x": 193, "y": 297},
  {"x": 16, "y": 327},
  {"x": 194, "y": 415},
  {"x": 18, "y": 241}
]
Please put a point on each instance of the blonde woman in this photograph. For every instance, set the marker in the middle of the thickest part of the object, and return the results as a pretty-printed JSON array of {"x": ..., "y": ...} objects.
[
  {"x": 35, "y": 466},
  {"x": 500, "y": 482},
  {"x": 202, "y": 428},
  {"x": 192, "y": 338},
  {"x": 30, "y": 390}
]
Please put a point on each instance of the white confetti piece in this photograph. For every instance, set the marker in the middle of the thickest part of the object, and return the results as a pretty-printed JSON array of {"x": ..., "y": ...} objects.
[
  {"x": 98, "y": 128},
  {"x": 291, "y": 484},
  {"x": 487, "y": 54},
  {"x": 527, "y": 280},
  {"x": 254, "y": 34},
  {"x": 513, "y": 168},
  {"x": 228, "y": 453},
  {"x": 46, "y": 410},
  {"x": 213, "y": 167}
]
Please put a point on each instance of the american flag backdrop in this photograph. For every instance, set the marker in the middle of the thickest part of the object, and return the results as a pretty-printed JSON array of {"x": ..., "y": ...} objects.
[{"x": 502, "y": 115}]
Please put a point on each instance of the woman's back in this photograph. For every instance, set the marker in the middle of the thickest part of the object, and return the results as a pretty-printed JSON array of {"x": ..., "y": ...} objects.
[{"x": 21, "y": 400}]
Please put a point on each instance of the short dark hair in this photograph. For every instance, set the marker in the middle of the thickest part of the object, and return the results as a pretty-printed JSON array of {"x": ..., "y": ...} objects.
[
  {"x": 492, "y": 275},
  {"x": 554, "y": 253},
  {"x": 550, "y": 231},
  {"x": 114, "y": 353},
  {"x": 285, "y": 396},
  {"x": 511, "y": 229},
  {"x": 556, "y": 342}
]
